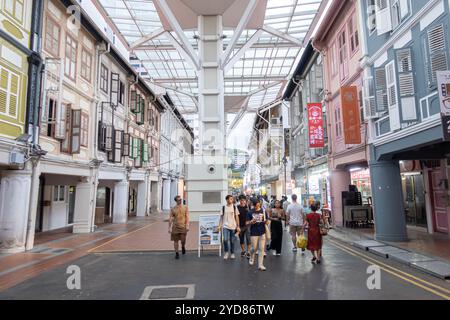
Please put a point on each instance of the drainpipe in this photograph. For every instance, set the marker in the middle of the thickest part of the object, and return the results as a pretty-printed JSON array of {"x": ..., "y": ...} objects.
[{"x": 34, "y": 89}]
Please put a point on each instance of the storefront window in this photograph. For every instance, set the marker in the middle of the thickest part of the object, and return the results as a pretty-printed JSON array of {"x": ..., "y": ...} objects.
[{"x": 361, "y": 179}]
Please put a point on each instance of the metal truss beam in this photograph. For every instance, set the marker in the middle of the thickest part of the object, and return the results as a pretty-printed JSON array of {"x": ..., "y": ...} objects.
[
  {"x": 282, "y": 35},
  {"x": 238, "y": 31},
  {"x": 186, "y": 45},
  {"x": 155, "y": 34},
  {"x": 229, "y": 64}
]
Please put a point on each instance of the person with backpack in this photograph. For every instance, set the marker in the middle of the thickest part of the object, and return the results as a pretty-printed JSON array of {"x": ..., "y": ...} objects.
[{"x": 229, "y": 224}]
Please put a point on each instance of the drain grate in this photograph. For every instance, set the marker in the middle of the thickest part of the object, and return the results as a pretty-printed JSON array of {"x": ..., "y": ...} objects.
[{"x": 172, "y": 292}]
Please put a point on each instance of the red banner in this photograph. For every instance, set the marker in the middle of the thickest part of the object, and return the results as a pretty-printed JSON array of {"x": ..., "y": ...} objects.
[
  {"x": 350, "y": 113},
  {"x": 315, "y": 125}
]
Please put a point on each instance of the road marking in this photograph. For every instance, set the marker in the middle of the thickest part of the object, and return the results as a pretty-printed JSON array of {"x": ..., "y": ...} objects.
[
  {"x": 386, "y": 268},
  {"x": 119, "y": 237},
  {"x": 391, "y": 267}
]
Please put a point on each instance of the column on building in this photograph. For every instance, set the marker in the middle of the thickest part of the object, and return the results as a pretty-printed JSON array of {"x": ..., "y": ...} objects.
[
  {"x": 174, "y": 189},
  {"x": 166, "y": 195},
  {"x": 390, "y": 224},
  {"x": 339, "y": 182},
  {"x": 120, "y": 213},
  {"x": 84, "y": 206},
  {"x": 142, "y": 196},
  {"x": 14, "y": 206}
]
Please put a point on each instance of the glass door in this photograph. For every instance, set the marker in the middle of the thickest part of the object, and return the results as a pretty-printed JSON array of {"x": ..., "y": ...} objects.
[{"x": 414, "y": 200}]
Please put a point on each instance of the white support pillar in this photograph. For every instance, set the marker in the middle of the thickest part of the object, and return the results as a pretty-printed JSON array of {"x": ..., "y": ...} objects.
[
  {"x": 14, "y": 206},
  {"x": 142, "y": 199},
  {"x": 207, "y": 174},
  {"x": 120, "y": 214},
  {"x": 166, "y": 195},
  {"x": 83, "y": 207}
]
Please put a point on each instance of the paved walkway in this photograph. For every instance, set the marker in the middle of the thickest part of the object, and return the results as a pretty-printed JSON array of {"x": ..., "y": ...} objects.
[
  {"x": 431, "y": 245},
  {"x": 148, "y": 236},
  {"x": 341, "y": 276}
]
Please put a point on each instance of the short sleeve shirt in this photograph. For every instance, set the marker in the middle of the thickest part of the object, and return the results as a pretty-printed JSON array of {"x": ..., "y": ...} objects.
[{"x": 257, "y": 229}]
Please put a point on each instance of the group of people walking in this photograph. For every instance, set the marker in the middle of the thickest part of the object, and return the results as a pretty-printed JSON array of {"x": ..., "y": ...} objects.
[{"x": 255, "y": 221}]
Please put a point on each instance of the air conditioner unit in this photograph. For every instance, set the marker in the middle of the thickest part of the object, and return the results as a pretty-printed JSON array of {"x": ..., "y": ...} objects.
[{"x": 16, "y": 158}]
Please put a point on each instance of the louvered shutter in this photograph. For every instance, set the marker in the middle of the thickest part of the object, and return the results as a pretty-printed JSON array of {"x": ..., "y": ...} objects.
[
  {"x": 114, "y": 93},
  {"x": 109, "y": 138},
  {"x": 138, "y": 158},
  {"x": 133, "y": 101},
  {"x": 437, "y": 53},
  {"x": 118, "y": 145},
  {"x": 406, "y": 85},
  {"x": 101, "y": 136},
  {"x": 60, "y": 121},
  {"x": 76, "y": 131},
  {"x": 4, "y": 79},
  {"x": 383, "y": 16},
  {"x": 381, "y": 90},
  {"x": 66, "y": 142},
  {"x": 391, "y": 83},
  {"x": 370, "y": 111},
  {"x": 84, "y": 140},
  {"x": 126, "y": 145},
  {"x": 145, "y": 152}
]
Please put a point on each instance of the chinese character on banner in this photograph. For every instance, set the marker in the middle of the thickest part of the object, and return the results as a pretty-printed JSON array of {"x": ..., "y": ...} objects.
[
  {"x": 315, "y": 125},
  {"x": 350, "y": 112}
]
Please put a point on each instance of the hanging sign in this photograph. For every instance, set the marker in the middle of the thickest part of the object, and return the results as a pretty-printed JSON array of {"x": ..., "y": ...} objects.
[
  {"x": 443, "y": 80},
  {"x": 350, "y": 112},
  {"x": 315, "y": 125}
]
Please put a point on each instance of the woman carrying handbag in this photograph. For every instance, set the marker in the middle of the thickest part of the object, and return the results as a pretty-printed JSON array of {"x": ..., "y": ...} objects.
[{"x": 316, "y": 230}]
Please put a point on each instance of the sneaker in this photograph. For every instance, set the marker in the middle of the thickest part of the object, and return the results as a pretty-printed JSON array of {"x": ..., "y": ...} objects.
[
  {"x": 251, "y": 261},
  {"x": 226, "y": 256},
  {"x": 278, "y": 254},
  {"x": 233, "y": 256},
  {"x": 262, "y": 268},
  {"x": 265, "y": 254},
  {"x": 177, "y": 255},
  {"x": 294, "y": 249},
  {"x": 274, "y": 253},
  {"x": 248, "y": 255},
  {"x": 243, "y": 254},
  {"x": 183, "y": 250}
]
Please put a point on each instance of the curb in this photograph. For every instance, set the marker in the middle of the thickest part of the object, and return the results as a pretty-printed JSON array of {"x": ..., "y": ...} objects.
[{"x": 429, "y": 265}]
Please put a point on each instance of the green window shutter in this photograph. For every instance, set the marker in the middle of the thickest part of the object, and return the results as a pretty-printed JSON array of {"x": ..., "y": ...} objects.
[{"x": 145, "y": 153}]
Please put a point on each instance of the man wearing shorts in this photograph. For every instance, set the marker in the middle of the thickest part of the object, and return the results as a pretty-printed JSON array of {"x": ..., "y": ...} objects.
[
  {"x": 179, "y": 225},
  {"x": 295, "y": 220}
]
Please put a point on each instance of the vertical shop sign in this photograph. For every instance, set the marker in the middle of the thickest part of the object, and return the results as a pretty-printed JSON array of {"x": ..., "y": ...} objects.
[
  {"x": 350, "y": 111},
  {"x": 443, "y": 79},
  {"x": 315, "y": 125}
]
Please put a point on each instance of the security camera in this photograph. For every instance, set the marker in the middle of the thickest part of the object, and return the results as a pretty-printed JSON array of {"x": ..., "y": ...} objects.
[{"x": 211, "y": 169}]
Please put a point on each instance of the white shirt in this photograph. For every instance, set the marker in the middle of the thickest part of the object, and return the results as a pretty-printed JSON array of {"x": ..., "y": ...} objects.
[
  {"x": 229, "y": 220},
  {"x": 295, "y": 212}
]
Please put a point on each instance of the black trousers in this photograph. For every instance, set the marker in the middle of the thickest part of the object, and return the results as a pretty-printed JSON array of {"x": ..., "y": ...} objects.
[{"x": 276, "y": 229}]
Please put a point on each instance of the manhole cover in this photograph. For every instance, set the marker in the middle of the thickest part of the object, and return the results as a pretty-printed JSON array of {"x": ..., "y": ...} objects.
[
  {"x": 174, "y": 292},
  {"x": 169, "y": 293}
]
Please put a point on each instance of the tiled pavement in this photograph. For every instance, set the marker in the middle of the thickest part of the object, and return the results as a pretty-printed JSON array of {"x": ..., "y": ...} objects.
[
  {"x": 61, "y": 249},
  {"x": 436, "y": 245}
]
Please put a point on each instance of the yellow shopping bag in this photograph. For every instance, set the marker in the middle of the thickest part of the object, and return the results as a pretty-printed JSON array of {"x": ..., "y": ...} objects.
[{"x": 302, "y": 242}]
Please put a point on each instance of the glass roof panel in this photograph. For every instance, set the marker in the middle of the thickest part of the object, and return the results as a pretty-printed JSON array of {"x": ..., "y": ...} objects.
[{"x": 270, "y": 59}]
